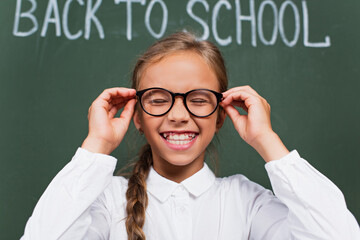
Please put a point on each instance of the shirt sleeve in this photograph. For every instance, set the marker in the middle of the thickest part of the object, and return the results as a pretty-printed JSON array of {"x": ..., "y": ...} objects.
[
  {"x": 73, "y": 206},
  {"x": 316, "y": 207}
]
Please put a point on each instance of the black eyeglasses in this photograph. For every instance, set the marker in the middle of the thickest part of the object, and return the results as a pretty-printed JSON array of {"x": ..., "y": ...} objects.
[{"x": 199, "y": 102}]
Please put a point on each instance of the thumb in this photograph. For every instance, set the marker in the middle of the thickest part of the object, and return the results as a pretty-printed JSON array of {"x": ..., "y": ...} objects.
[
  {"x": 128, "y": 111},
  {"x": 238, "y": 120},
  {"x": 126, "y": 115}
]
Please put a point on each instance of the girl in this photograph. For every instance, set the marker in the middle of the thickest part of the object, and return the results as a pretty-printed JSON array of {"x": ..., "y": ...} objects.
[{"x": 179, "y": 100}]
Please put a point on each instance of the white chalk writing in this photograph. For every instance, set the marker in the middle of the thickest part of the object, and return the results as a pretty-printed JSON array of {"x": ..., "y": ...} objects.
[{"x": 253, "y": 14}]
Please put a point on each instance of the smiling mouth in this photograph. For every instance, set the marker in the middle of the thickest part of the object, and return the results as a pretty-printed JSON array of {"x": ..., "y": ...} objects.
[{"x": 179, "y": 138}]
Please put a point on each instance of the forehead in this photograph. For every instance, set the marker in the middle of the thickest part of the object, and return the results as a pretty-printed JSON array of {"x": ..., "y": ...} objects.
[{"x": 180, "y": 72}]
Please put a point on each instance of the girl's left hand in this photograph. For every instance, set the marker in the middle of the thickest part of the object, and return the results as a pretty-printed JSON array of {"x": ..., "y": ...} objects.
[
  {"x": 255, "y": 127},
  {"x": 256, "y": 124}
]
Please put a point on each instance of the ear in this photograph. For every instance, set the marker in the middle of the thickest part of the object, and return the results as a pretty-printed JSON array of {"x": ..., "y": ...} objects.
[
  {"x": 220, "y": 119},
  {"x": 136, "y": 119}
]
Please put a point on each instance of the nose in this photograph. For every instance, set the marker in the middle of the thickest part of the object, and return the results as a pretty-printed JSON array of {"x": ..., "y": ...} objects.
[{"x": 178, "y": 112}]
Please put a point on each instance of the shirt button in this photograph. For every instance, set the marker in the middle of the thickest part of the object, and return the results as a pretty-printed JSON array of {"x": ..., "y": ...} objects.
[{"x": 182, "y": 209}]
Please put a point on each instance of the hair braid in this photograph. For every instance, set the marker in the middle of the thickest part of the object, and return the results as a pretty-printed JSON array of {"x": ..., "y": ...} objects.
[{"x": 136, "y": 196}]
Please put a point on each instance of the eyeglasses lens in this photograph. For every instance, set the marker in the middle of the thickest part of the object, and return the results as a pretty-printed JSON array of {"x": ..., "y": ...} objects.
[
  {"x": 156, "y": 101},
  {"x": 199, "y": 102}
]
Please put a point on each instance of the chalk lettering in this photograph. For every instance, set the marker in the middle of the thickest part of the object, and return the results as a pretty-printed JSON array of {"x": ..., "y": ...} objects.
[
  {"x": 306, "y": 30},
  {"x": 281, "y": 23},
  {"x": 52, "y": 8},
  {"x": 164, "y": 20},
  {"x": 267, "y": 11},
  {"x": 90, "y": 17},
  {"x": 29, "y": 15},
  {"x": 189, "y": 10},
  {"x": 240, "y": 18},
  {"x": 128, "y": 15},
  {"x": 218, "y": 5},
  {"x": 65, "y": 20},
  {"x": 260, "y": 22}
]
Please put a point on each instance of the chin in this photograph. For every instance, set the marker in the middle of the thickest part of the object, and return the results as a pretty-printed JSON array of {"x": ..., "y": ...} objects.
[{"x": 183, "y": 161}]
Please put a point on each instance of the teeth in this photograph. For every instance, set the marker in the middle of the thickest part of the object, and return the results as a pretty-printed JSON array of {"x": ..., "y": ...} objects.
[
  {"x": 179, "y": 139},
  {"x": 179, "y": 142}
]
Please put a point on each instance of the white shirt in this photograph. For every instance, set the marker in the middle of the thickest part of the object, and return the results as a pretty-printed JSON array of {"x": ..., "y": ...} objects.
[{"x": 85, "y": 201}]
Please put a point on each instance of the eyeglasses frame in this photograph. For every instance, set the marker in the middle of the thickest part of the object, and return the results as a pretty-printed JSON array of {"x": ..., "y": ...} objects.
[{"x": 219, "y": 98}]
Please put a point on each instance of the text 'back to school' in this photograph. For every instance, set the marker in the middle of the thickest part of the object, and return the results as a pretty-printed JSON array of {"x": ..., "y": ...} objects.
[{"x": 258, "y": 22}]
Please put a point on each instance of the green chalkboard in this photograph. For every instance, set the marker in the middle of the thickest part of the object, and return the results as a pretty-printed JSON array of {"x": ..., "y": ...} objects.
[{"x": 57, "y": 56}]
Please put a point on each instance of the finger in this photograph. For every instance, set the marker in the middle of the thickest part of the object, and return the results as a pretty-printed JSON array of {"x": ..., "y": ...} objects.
[
  {"x": 232, "y": 112},
  {"x": 237, "y": 104},
  {"x": 240, "y": 104},
  {"x": 113, "y": 96},
  {"x": 128, "y": 111},
  {"x": 238, "y": 96},
  {"x": 111, "y": 93},
  {"x": 116, "y": 101},
  {"x": 115, "y": 108},
  {"x": 241, "y": 88},
  {"x": 237, "y": 119}
]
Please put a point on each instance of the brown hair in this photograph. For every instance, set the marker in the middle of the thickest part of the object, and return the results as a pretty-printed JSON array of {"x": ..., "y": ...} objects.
[{"x": 136, "y": 195}]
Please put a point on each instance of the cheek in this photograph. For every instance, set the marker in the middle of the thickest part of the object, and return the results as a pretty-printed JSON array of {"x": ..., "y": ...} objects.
[
  {"x": 146, "y": 120},
  {"x": 208, "y": 126},
  {"x": 151, "y": 125}
]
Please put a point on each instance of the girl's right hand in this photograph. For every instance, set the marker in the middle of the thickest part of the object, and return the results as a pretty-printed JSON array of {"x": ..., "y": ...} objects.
[{"x": 105, "y": 131}]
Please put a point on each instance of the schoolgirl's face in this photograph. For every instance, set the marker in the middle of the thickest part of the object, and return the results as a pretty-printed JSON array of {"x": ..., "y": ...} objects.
[{"x": 178, "y": 139}]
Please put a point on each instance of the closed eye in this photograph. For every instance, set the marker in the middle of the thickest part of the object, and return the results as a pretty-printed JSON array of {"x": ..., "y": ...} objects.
[
  {"x": 158, "y": 101},
  {"x": 199, "y": 101}
]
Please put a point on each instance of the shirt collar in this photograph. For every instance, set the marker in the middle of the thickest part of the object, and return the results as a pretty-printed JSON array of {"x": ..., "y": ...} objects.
[{"x": 196, "y": 184}]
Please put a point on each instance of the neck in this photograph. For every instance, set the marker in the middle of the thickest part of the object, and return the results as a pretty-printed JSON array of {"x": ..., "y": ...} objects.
[{"x": 178, "y": 173}]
